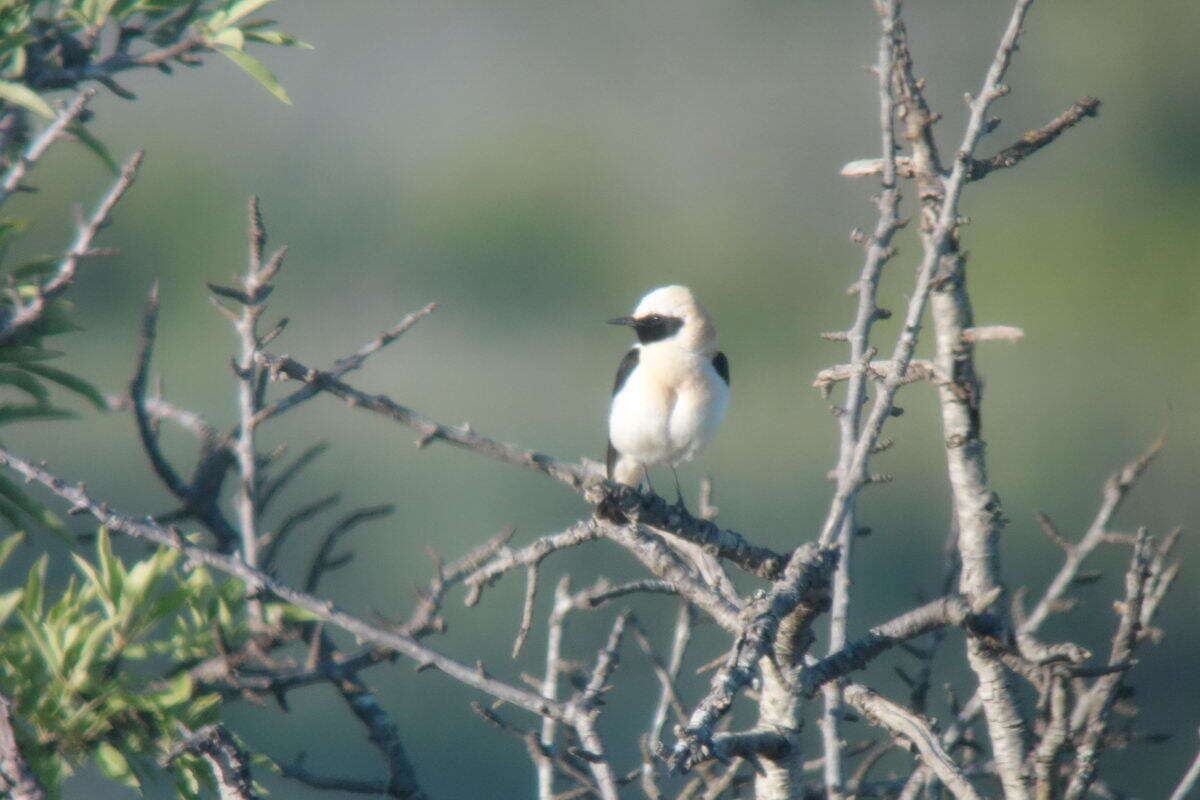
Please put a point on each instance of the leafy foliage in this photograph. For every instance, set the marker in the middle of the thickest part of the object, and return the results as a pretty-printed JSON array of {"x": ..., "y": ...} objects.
[{"x": 84, "y": 670}]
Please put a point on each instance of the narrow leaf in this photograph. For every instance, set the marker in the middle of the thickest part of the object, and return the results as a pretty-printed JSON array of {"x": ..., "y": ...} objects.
[
  {"x": 9, "y": 413},
  {"x": 69, "y": 382},
  {"x": 257, "y": 70},
  {"x": 24, "y": 96},
  {"x": 26, "y": 383},
  {"x": 88, "y": 140}
]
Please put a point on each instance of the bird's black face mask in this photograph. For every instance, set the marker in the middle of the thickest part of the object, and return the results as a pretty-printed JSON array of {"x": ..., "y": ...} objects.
[{"x": 652, "y": 327}]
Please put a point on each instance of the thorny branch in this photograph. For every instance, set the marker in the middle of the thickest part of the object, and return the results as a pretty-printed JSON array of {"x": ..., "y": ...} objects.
[
  {"x": 226, "y": 757},
  {"x": 29, "y": 312}
]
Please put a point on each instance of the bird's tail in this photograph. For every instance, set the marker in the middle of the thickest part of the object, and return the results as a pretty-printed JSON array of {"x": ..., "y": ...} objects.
[{"x": 620, "y": 469}]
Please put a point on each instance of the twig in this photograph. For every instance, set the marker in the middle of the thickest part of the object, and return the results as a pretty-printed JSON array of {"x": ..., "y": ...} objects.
[
  {"x": 950, "y": 610},
  {"x": 38, "y": 147},
  {"x": 297, "y": 772},
  {"x": 256, "y": 287},
  {"x": 505, "y": 559},
  {"x": 203, "y": 505},
  {"x": 159, "y": 409},
  {"x": 324, "y": 560},
  {"x": 1188, "y": 782},
  {"x": 1035, "y": 140},
  {"x": 16, "y": 778},
  {"x": 542, "y": 764},
  {"x": 29, "y": 313},
  {"x": 879, "y": 250},
  {"x": 228, "y": 761},
  {"x": 347, "y": 364},
  {"x": 667, "y": 564},
  {"x": 1116, "y": 488},
  {"x": 402, "y": 779},
  {"x": 1090, "y": 718},
  {"x": 915, "y": 729},
  {"x": 918, "y": 370}
]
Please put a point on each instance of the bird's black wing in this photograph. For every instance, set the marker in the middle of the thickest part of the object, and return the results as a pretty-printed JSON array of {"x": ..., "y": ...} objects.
[
  {"x": 721, "y": 365},
  {"x": 627, "y": 364},
  {"x": 610, "y": 460}
]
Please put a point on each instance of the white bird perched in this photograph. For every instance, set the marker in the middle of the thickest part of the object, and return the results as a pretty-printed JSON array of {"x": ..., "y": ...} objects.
[{"x": 671, "y": 390}]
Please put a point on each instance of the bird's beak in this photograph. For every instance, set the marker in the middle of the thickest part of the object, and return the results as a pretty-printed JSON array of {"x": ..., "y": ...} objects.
[{"x": 623, "y": 321}]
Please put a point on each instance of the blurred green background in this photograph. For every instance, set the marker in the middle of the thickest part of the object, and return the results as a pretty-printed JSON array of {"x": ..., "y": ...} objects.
[{"x": 535, "y": 167}]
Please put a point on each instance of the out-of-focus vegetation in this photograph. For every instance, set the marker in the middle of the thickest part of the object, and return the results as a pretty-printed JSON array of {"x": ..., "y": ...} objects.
[{"x": 535, "y": 167}]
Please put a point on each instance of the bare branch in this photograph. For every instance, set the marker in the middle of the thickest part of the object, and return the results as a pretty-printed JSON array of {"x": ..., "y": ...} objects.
[
  {"x": 38, "y": 147},
  {"x": 28, "y": 314},
  {"x": 402, "y": 779},
  {"x": 297, "y": 772},
  {"x": 1035, "y": 140},
  {"x": 324, "y": 560},
  {"x": 1092, "y": 711},
  {"x": 1189, "y": 780},
  {"x": 664, "y": 562},
  {"x": 1115, "y": 490},
  {"x": 228, "y": 761},
  {"x": 347, "y": 364},
  {"x": 915, "y": 729},
  {"x": 950, "y": 610},
  {"x": 859, "y": 372},
  {"x": 532, "y": 554}
]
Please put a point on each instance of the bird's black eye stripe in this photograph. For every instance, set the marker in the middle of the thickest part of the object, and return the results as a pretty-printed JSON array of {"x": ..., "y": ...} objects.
[{"x": 656, "y": 327}]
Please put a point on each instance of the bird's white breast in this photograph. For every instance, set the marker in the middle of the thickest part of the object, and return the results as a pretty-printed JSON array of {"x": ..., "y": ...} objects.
[{"x": 669, "y": 408}]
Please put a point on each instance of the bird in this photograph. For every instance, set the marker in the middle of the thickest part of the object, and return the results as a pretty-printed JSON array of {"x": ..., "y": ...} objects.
[{"x": 671, "y": 390}]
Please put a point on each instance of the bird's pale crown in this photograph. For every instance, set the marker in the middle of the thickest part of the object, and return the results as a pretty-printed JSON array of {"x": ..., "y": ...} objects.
[{"x": 698, "y": 332}]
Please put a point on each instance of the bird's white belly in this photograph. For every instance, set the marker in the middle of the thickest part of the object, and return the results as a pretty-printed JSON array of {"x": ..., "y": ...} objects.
[{"x": 653, "y": 422}]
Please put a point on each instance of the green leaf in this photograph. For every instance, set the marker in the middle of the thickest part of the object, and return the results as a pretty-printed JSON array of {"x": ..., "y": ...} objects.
[
  {"x": 35, "y": 585},
  {"x": 235, "y": 10},
  {"x": 11, "y": 492},
  {"x": 257, "y": 70},
  {"x": 231, "y": 37},
  {"x": 115, "y": 766},
  {"x": 24, "y": 96},
  {"x": 8, "y": 545},
  {"x": 26, "y": 383},
  {"x": 179, "y": 692},
  {"x": 9, "y": 602},
  {"x": 97, "y": 582},
  {"x": 88, "y": 140},
  {"x": 11, "y": 413},
  {"x": 69, "y": 382},
  {"x": 112, "y": 571},
  {"x": 276, "y": 38},
  {"x": 37, "y": 268},
  {"x": 19, "y": 353}
]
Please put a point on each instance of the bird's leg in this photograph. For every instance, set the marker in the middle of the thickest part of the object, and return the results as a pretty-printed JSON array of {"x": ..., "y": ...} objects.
[
  {"x": 646, "y": 480},
  {"x": 678, "y": 491}
]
